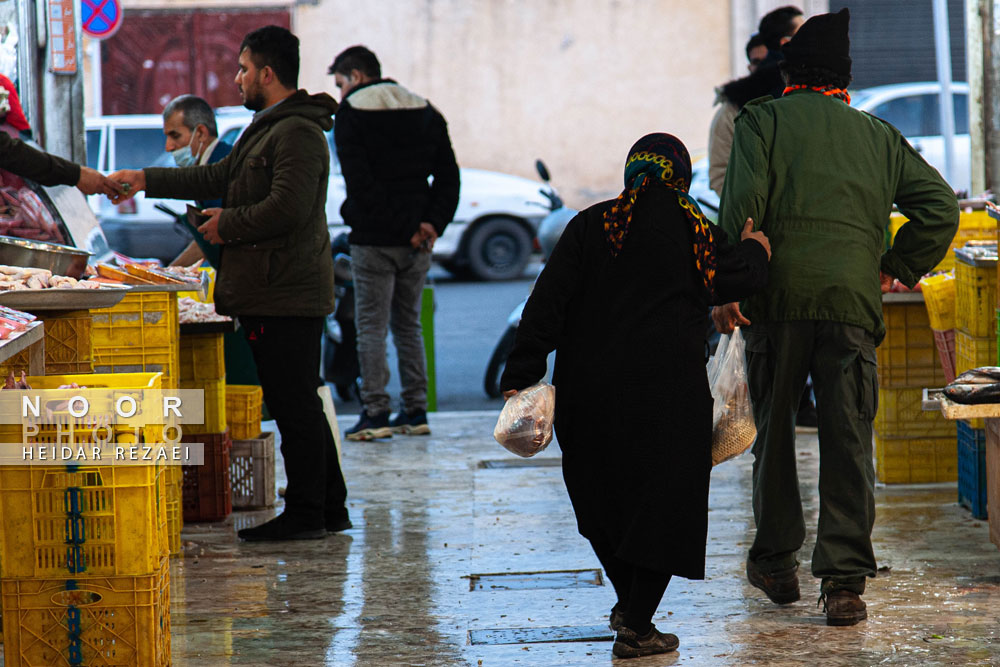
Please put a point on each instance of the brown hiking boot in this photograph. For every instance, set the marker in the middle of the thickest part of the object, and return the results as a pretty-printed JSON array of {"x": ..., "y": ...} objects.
[
  {"x": 844, "y": 608},
  {"x": 781, "y": 587},
  {"x": 628, "y": 644}
]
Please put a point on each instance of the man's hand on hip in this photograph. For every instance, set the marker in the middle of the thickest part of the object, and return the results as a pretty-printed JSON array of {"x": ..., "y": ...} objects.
[
  {"x": 210, "y": 230},
  {"x": 727, "y": 317},
  {"x": 424, "y": 237}
]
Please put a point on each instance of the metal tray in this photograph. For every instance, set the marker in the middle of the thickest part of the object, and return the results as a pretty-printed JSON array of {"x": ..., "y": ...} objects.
[
  {"x": 201, "y": 288},
  {"x": 64, "y": 299}
]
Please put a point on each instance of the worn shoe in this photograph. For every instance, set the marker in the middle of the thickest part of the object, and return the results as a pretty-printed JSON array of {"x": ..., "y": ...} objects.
[
  {"x": 781, "y": 587},
  {"x": 370, "y": 427},
  {"x": 338, "y": 525},
  {"x": 281, "y": 527},
  {"x": 628, "y": 644},
  {"x": 617, "y": 618},
  {"x": 414, "y": 423},
  {"x": 843, "y": 608}
]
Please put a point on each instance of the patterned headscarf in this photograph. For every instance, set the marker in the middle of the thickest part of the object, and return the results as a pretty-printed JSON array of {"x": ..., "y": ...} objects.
[{"x": 662, "y": 157}]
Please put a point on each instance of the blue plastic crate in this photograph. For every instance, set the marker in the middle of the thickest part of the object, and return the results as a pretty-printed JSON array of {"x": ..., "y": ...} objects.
[{"x": 972, "y": 468}]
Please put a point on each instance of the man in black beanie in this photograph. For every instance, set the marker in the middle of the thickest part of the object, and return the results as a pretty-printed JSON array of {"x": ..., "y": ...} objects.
[{"x": 820, "y": 178}]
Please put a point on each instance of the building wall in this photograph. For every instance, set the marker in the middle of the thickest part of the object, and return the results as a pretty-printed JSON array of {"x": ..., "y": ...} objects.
[{"x": 574, "y": 82}]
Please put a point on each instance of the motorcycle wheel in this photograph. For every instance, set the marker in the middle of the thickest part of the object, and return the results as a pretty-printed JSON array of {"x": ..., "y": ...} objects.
[{"x": 498, "y": 361}]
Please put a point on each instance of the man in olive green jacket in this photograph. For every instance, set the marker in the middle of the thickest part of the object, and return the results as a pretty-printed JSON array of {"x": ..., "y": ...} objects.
[
  {"x": 820, "y": 179},
  {"x": 276, "y": 272}
]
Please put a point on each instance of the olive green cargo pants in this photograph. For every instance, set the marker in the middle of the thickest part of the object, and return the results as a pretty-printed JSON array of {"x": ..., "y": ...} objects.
[{"x": 841, "y": 359}]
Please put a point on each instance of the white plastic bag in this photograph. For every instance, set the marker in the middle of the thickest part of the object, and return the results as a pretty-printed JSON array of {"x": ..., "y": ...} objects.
[
  {"x": 733, "y": 428},
  {"x": 525, "y": 424}
]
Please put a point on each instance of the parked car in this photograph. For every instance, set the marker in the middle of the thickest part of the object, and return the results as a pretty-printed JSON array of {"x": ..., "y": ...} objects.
[
  {"x": 913, "y": 109},
  {"x": 492, "y": 236}
]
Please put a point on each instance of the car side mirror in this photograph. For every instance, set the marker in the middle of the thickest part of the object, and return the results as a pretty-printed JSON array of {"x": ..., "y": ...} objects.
[{"x": 542, "y": 170}]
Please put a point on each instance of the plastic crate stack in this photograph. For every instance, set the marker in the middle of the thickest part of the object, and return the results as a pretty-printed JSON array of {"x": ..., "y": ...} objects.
[
  {"x": 939, "y": 297},
  {"x": 251, "y": 462},
  {"x": 84, "y": 575},
  {"x": 975, "y": 308},
  {"x": 911, "y": 446},
  {"x": 140, "y": 334},
  {"x": 206, "y": 489},
  {"x": 972, "y": 468}
]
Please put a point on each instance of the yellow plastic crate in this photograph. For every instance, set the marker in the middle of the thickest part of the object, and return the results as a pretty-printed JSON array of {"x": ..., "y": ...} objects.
[
  {"x": 215, "y": 405},
  {"x": 244, "y": 405},
  {"x": 202, "y": 357},
  {"x": 123, "y": 383},
  {"x": 974, "y": 351},
  {"x": 141, "y": 333},
  {"x": 939, "y": 299},
  {"x": 908, "y": 356},
  {"x": 916, "y": 460},
  {"x": 174, "y": 476},
  {"x": 56, "y": 622},
  {"x": 972, "y": 226},
  {"x": 58, "y": 521},
  {"x": 975, "y": 298},
  {"x": 68, "y": 345},
  {"x": 901, "y": 415}
]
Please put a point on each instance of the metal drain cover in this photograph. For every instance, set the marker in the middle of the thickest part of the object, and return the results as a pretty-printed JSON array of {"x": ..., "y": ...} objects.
[
  {"x": 519, "y": 581},
  {"x": 581, "y": 633},
  {"x": 546, "y": 462}
]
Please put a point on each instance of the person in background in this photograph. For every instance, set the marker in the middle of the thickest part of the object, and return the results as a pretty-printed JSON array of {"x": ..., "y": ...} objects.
[
  {"x": 775, "y": 29},
  {"x": 822, "y": 188},
  {"x": 192, "y": 138},
  {"x": 276, "y": 272},
  {"x": 624, "y": 302},
  {"x": 13, "y": 114},
  {"x": 390, "y": 142}
]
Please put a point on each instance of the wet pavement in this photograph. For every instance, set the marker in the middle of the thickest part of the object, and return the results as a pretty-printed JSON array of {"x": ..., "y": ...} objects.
[{"x": 447, "y": 535}]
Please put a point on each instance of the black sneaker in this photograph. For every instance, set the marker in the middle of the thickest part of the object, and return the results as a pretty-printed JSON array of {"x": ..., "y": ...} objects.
[
  {"x": 628, "y": 644},
  {"x": 616, "y": 620},
  {"x": 414, "y": 423},
  {"x": 370, "y": 427},
  {"x": 281, "y": 527}
]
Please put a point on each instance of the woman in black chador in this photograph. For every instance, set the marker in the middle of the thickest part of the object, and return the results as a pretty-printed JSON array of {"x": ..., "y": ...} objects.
[{"x": 624, "y": 301}]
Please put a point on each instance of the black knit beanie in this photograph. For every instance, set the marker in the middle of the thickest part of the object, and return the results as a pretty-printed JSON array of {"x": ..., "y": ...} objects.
[{"x": 822, "y": 41}]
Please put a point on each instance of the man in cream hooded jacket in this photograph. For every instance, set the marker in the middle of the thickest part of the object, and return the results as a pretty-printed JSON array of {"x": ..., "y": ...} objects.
[{"x": 402, "y": 190}]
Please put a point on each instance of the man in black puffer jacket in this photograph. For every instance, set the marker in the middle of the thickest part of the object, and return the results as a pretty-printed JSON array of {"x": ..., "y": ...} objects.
[{"x": 390, "y": 142}]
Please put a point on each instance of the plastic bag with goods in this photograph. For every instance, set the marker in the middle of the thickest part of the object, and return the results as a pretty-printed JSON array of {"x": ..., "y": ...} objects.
[
  {"x": 733, "y": 428},
  {"x": 525, "y": 424}
]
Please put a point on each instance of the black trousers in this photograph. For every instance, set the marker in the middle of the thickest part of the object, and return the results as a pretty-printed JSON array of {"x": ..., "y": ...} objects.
[{"x": 287, "y": 352}]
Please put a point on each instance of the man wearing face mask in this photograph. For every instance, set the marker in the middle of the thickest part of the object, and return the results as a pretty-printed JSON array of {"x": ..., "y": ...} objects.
[{"x": 193, "y": 140}]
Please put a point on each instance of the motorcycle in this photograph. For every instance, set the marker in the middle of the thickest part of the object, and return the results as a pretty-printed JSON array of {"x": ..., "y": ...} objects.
[
  {"x": 549, "y": 231},
  {"x": 340, "y": 337}
]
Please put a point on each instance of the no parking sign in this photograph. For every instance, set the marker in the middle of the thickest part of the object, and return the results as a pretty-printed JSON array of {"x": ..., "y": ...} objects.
[{"x": 100, "y": 18}]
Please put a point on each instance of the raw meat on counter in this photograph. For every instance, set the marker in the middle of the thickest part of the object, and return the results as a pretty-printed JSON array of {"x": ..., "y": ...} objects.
[
  {"x": 192, "y": 311},
  {"x": 13, "y": 278}
]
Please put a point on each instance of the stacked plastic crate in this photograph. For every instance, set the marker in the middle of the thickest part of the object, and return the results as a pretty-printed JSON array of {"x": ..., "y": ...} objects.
[
  {"x": 140, "y": 334},
  {"x": 84, "y": 575},
  {"x": 975, "y": 345},
  {"x": 206, "y": 489},
  {"x": 911, "y": 445},
  {"x": 68, "y": 345},
  {"x": 252, "y": 459}
]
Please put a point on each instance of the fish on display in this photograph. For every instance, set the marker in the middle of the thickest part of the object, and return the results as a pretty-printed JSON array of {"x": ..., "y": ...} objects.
[
  {"x": 973, "y": 394},
  {"x": 981, "y": 375}
]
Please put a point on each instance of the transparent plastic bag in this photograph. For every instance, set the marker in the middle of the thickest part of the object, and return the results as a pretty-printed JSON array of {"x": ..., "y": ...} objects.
[
  {"x": 733, "y": 428},
  {"x": 525, "y": 424}
]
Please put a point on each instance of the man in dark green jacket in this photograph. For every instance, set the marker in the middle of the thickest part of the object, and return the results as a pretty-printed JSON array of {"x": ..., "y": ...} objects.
[
  {"x": 276, "y": 272},
  {"x": 820, "y": 179}
]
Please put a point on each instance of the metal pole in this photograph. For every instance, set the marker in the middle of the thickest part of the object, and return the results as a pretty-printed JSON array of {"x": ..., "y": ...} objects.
[
  {"x": 95, "y": 77},
  {"x": 946, "y": 108},
  {"x": 975, "y": 46},
  {"x": 427, "y": 327},
  {"x": 991, "y": 101}
]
